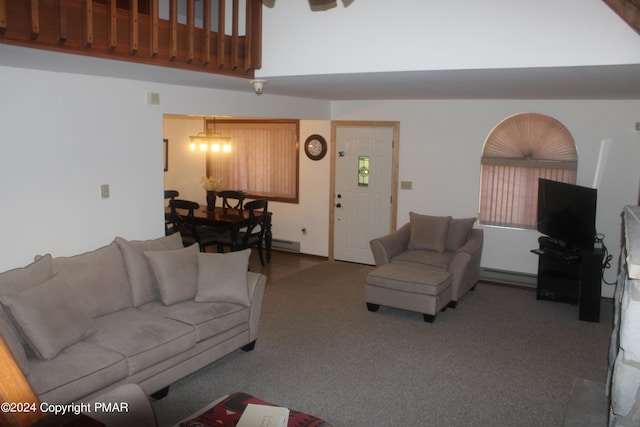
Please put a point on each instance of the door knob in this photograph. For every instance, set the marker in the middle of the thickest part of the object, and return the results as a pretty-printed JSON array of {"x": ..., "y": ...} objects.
[
  {"x": 339, "y": 196},
  {"x": 338, "y": 205}
]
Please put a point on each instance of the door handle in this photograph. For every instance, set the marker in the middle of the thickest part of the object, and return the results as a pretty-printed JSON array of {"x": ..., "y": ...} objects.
[{"x": 338, "y": 205}]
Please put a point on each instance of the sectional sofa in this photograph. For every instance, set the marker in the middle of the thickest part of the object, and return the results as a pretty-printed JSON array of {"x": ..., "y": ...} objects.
[{"x": 145, "y": 312}]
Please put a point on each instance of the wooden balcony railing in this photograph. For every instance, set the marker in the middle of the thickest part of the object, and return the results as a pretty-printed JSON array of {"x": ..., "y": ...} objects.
[
  {"x": 132, "y": 30},
  {"x": 629, "y": 10}
]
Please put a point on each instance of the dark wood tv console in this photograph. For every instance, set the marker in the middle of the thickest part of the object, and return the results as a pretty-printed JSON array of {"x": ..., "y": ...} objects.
[{"x": 570, "y": 275}]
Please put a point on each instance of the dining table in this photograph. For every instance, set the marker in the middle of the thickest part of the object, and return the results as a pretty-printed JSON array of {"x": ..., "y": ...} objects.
[{"x": 233, "y": 219}]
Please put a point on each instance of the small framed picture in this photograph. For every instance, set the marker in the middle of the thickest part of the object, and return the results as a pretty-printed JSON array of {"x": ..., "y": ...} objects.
[{"x": 165, "y": 153}]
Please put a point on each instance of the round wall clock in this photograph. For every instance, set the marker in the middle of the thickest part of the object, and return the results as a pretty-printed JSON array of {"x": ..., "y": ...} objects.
[{"x": 315, "y": 147}]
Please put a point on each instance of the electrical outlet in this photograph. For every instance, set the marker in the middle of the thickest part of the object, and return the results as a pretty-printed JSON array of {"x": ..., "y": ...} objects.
[{"x": 104, "y": 191}]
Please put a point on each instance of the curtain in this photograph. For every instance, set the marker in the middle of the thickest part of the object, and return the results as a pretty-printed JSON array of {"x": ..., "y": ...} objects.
[
  {"x": 518, "y": 151},
  {"x": 263, "y": 160}
]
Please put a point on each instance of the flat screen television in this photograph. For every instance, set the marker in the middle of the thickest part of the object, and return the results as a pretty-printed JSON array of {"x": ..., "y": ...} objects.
[{"x": 567, "y": 213}]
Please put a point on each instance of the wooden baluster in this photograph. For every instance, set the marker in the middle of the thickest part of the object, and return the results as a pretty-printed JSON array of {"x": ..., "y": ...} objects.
[
  {"x": 34, "y": 19},
  {"x": 190, "y": 29},
  {"x": 252, "y": 20},
  {"x": 88, "y": 23},
  {"x": 62, "y": 22},
  {"x": 256, "y": 34},
  {"x": 221, "y": 35},
  {"x": 206, "y": 29},
  {"x": 248, "y": 45},
  {"x": 235, "y": 40},
  {"x": 112, "y": 26},
  {"x": 153, "y": 28},
  {"x": 173, "y": 29},
  {"x": 3, "y": 16},
  {"x": 134, "y": 38}
]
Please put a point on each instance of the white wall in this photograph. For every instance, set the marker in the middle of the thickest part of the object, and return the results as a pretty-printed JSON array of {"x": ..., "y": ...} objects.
[
  {"x": 440, "y": 147},
  {"x": 383, "y": 35},
  {"x": 63, "y": 135}
]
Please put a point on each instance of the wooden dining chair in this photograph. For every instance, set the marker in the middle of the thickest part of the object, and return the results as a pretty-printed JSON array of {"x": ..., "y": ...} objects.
[
  {"x": 231, "y": 198},
  {"x": 182, "y": 212},
  {"x": 169, "y": 221},
  {"x": 253, "y": 234}
]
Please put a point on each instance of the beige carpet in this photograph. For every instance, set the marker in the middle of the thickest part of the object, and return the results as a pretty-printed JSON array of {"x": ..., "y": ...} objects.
[{"x": 501, "y": 358}]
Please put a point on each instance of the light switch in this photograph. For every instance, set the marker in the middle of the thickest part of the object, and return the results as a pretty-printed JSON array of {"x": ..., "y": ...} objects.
[
  {"x": 104, "y": 190},
  {"x": 153, "y": 98},
  {"x": 406, "y": 185}
]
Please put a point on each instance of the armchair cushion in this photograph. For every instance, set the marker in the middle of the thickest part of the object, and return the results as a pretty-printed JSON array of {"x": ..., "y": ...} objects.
[
  {"x": 48, "y": 317},
  {"x": 176, "y": 272},
  {"x": 459, "y": 230},
  {"x": 428, "y": 232},
  {"x": 223, "y": 277}
]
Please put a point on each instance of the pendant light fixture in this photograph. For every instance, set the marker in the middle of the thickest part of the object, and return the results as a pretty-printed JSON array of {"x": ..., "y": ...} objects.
[{"x": 210, "y": 141}]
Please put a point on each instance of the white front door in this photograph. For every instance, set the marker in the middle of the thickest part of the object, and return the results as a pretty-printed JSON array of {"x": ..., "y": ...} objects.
[{"x": 363, "y": 182}]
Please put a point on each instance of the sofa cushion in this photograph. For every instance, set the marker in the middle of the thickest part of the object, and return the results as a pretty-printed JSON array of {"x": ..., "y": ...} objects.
[
  {"x": 20, "y": 279},
  {"x": 428, "y": 232},
  {"x": 176, "y": 272},
  {"x": 48, "y": 316},
  {"x": 459, "y": 230},
  {"x": 76, "y": 372},
  {"x": 98, "y": 280},
  {"x": 144, "y": 338},
  {"x": 15, "y": 346},
  {"x": 141, "y": 278},
  {"x": 209, "y": 318},
  {"x": 223, "y": 277}
]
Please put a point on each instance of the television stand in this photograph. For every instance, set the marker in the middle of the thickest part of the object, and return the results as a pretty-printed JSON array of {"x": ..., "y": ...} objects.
[{"x": 570, "y": 275}]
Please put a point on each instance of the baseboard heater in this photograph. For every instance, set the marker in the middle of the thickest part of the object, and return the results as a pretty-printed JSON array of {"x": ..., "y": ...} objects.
[
  {"x": 285, "y": 245},
  {"x": 509, "y": 277}
]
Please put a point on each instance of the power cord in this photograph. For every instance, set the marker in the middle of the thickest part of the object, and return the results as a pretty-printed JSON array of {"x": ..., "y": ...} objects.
[{"x": 606, "y": 260}]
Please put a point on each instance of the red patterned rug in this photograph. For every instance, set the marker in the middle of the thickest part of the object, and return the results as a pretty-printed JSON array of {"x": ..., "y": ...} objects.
[{"x": 228, "y": 412}]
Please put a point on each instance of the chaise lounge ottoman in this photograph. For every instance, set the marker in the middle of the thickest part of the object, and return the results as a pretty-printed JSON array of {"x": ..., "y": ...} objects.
[{"x": 419, "y": 289}]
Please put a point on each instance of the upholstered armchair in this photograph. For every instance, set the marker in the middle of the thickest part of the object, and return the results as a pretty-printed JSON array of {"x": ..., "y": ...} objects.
[{"x": 436, "y": 243}]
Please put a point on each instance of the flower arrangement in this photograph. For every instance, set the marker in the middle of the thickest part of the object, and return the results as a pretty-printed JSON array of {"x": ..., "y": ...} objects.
[{"x": 210, "y": 183}]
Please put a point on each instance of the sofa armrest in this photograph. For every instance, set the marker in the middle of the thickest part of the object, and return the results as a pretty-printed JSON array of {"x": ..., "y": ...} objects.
[
  {"x": 257, "y": 283},
  {"x": 464, "y": 267},
  {"x": 386, "y": 247}
]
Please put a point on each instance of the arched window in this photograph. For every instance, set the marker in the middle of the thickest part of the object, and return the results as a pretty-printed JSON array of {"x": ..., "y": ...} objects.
[{"x": 518, "y": 151}]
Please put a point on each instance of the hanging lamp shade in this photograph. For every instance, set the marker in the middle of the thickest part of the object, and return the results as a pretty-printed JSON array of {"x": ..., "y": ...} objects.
[{"x": 210, "y": 141}]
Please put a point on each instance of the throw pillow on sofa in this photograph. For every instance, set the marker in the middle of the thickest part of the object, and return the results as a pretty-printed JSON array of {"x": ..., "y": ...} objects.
[
  {"x": 98, "y": 280},
  {"x": 48, "y": 316},
  {"x": 176, "y": 272},
  {"x": 223, "y": 277},
  {"x": 7, "y": 332},
  {"x": 143, "y": 282},
  {"x": 428, "y": 232},
  {"x": 20, "y": 279}
]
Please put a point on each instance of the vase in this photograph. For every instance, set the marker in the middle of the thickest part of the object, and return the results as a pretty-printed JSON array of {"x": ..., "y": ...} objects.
[{"x": 211, "y": 200}]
